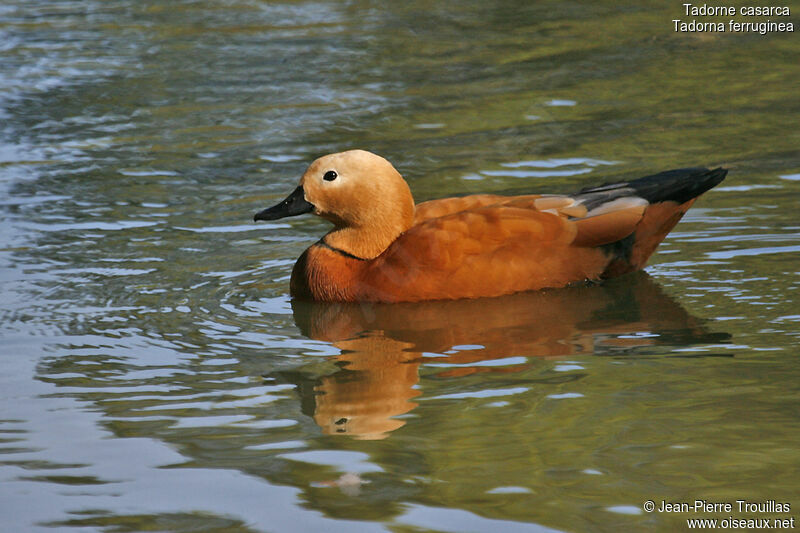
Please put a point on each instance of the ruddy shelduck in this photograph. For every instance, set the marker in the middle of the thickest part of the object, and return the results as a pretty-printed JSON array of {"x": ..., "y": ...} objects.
[{"x": 384, "y": 248}]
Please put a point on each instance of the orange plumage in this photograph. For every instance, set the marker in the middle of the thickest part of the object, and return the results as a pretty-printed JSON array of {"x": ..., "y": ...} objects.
[{"x": 384, "y": 248}]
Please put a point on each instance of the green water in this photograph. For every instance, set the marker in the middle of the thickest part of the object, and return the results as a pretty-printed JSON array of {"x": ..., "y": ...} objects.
[{"x": 156, "y": 376}]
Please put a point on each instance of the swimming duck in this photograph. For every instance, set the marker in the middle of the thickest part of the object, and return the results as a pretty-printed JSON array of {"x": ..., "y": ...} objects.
[{"x": 384, "y": 248}]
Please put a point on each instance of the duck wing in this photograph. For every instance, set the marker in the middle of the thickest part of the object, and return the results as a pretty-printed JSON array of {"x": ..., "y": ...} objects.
[{"x": 485, "y": 251}]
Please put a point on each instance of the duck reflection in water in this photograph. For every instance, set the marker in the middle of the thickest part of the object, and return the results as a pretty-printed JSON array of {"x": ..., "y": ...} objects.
[{"x": 384, "y": 345}]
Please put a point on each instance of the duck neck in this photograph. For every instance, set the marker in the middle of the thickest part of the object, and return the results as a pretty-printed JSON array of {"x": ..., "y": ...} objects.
[{"x": 361, "y": 243}]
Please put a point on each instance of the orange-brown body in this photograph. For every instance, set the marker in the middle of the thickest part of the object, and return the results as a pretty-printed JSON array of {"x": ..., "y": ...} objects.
[{"x": 383, "y": 248}]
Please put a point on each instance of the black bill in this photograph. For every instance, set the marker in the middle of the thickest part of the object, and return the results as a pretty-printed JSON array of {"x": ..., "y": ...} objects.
[{"x": 294, "y": 204}]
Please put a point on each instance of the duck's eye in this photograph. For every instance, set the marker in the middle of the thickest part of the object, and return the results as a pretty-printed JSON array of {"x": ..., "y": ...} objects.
[{"x": 330, "y": 175}]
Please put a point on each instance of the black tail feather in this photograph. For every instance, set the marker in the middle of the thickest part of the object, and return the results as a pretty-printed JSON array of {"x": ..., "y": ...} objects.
[{"x": 679, "y": 185}]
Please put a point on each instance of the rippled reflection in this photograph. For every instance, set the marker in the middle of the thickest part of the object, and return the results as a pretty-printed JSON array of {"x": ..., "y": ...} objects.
[{"x": 384, "y": 345}]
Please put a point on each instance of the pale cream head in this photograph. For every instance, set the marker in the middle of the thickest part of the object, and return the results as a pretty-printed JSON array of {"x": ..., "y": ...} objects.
[{"x": 367, "y": 200}]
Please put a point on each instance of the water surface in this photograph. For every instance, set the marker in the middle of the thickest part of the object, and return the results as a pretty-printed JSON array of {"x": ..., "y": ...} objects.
[{"x": 155, "y": 374}]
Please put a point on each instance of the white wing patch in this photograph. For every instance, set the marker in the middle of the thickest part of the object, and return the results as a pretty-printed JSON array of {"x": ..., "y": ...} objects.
[{"x": 617, "y": 205}]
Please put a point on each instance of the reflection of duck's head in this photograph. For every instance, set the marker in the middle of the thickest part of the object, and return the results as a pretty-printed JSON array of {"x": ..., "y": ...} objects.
[
  {"x": 374, "y": 386},
  {"x": 361, "y": 193}
]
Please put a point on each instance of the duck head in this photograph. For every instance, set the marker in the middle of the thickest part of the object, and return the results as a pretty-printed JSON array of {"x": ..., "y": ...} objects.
[{"x": 366, "y": 199}]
